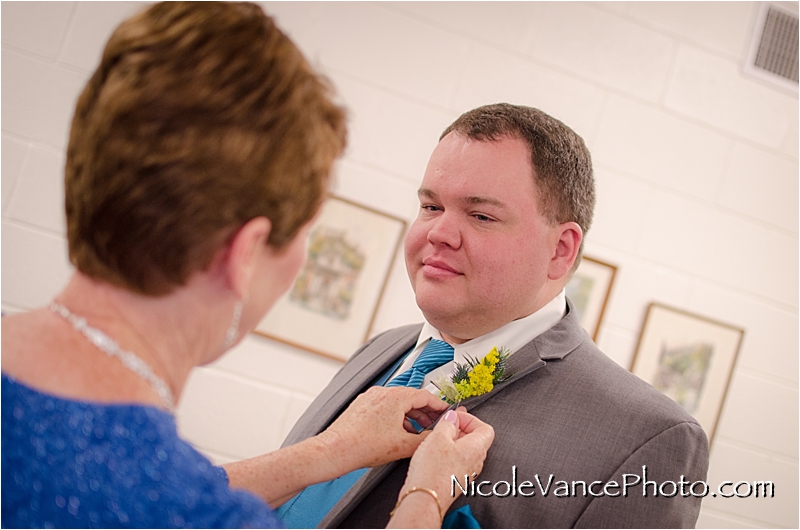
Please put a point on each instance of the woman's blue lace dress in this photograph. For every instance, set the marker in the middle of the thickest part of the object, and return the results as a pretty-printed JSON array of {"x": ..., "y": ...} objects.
[{"x": 77, "y": 464}]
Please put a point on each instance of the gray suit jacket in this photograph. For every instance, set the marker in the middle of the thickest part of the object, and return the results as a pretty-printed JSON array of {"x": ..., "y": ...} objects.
[{"x": 568, "y": 415}]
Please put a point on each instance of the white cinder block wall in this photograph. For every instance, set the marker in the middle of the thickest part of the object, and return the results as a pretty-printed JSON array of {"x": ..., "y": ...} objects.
[{"x": 696, "y": 164}]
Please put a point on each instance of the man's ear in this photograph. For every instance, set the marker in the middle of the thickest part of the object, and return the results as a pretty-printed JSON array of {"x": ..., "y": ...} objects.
[
  {"x": 566, "y": 250},
  {"x": 243, "y": 254}
]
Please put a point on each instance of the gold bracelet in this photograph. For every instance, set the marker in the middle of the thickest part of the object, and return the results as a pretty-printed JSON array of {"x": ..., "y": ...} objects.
[{"x": 426, "y": 490}]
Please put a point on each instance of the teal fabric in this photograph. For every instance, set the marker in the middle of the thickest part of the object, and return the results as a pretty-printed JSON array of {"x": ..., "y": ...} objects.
[
  {"x": 310, "y": 506},
  {"x": 461, "y": 518},
  {"x": 435, "y": 354}
]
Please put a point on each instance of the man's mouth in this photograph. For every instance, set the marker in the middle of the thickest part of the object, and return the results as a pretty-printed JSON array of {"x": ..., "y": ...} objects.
[{"x": 438, "y": 268}]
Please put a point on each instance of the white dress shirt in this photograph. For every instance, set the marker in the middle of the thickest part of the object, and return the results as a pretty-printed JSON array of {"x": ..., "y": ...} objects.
[{"x": 512, "y": 337}]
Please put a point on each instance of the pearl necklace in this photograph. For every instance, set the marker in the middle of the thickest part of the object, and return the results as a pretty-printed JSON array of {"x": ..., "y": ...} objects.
[{"x": 109, "y": 346}]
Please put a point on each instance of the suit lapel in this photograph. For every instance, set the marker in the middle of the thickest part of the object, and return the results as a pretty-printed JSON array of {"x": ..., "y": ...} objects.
[{"x": 554, "y": 344}]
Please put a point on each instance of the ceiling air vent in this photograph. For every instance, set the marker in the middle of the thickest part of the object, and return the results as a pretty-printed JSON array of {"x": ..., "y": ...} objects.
[{"x": 774, "y": 49}]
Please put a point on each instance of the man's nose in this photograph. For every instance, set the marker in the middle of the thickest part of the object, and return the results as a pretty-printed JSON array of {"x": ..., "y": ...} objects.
[{"x": 445, "y": 231}]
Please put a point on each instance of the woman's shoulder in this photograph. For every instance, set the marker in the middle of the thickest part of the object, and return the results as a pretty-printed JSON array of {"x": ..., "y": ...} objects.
[
  {"x": 43, "y": 351},
  {"x": 20, "y": 330},
  {"x": 33, "y": 349}
]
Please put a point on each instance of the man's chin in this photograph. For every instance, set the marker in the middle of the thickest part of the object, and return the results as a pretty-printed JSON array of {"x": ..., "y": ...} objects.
[
  {"x": 436, "y": 303},
  {"x": 451, "y": 330},
  {"x": 442, "y": 316}
]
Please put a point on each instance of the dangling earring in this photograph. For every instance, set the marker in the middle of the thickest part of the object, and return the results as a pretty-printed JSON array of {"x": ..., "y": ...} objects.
[{"x": 233, "y": 329}]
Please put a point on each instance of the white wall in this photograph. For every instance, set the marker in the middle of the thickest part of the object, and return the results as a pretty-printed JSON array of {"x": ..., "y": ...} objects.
[{"x": 696, "y": 164}]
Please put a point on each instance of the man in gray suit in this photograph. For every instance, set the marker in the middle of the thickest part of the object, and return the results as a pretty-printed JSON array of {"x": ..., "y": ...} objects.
[{"x": 505, "y": 202}]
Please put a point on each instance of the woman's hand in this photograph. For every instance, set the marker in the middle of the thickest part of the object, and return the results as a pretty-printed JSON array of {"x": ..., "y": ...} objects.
[
  {"x": 375, "y": 430},
  {"x": 372, "y": 431},
  {"x": 457, "y": 446}
]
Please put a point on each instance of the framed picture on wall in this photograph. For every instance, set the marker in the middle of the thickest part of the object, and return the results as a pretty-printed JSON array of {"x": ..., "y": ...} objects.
[
  {"x": 331, "y": 306},
  {"x": 589, "y": 290},
  {"x": 689, "y": 358}
]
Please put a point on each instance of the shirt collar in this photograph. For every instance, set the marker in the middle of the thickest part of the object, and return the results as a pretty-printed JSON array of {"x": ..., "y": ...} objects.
[{"x": 512, "y": 336}]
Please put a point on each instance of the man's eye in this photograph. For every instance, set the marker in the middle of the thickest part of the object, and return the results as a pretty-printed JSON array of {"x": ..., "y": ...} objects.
[
  {"x": 481, "y": 217},
  {"x": 430, "y": 207}
]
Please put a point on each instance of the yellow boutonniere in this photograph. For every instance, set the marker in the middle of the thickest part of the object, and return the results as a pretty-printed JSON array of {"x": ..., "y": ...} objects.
[{"x": 475, "y": 377}]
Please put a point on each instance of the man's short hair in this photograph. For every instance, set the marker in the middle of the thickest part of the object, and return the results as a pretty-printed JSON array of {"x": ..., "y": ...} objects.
[
  {"x": 200, "y": 117},
  {"x": 562, "y": 165}
]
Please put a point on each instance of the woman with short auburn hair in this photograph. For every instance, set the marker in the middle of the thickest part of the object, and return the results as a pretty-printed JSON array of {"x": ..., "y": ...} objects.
[
  {"x": 198, "y": 119},
  {"x": 200, "y": 151}
]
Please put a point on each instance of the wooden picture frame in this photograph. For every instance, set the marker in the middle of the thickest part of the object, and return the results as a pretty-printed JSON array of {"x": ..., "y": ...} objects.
[
  {"x": 689, "y": 358},
  {"x": 330, "y": 308},
  {"x": 589, "y": 290}
]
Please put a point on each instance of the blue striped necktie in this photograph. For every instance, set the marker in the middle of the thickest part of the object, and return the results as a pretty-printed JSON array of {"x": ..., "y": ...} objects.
[{"x": 435, "y": 354}]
